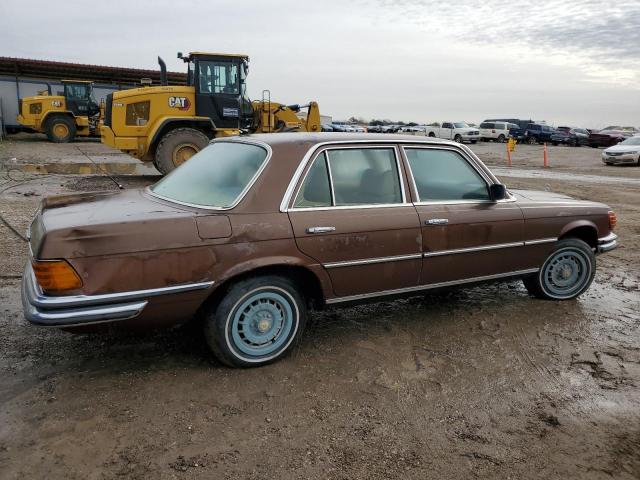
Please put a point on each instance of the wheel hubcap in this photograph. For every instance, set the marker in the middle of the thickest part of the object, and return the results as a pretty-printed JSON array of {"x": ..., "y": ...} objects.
[
  {"x": 60, "y": 130},
  {"x": 262, "y": 323},
  {"x": 566, "y": 273},
  {"x": 184, "y": 152}
]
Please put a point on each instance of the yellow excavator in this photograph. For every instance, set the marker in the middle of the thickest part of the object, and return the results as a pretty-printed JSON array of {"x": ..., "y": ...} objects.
[
  {"x": 73, "y": 112},
  {"x": 169, "y": 124}
]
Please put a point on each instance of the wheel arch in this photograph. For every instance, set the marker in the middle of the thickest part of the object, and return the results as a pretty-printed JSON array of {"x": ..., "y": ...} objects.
[
  {"x": 313, "y": 283},
  {"x": 582, "y": 229},
  {"x": 56, "y": 113}
]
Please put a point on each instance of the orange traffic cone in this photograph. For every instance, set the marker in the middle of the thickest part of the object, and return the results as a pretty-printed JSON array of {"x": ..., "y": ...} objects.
[{"x": 546, "y": 156}]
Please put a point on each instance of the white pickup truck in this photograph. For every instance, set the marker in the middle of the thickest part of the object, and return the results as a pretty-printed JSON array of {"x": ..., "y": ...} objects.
[{"x": 458, "y": 131}]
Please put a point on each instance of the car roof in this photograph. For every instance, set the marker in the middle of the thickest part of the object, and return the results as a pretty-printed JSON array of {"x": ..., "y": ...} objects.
[{"x": 322, "y": 137}]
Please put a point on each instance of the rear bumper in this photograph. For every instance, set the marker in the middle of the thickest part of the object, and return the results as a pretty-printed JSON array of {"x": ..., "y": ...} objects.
[
  {"x": 76, "y": 310},
  {"x": 607, "y": 243}
]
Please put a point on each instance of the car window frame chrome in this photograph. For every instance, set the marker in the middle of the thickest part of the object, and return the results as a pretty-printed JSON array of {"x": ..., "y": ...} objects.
[
  {"x": 308, "y": 161},
  {"x": 489, "y": 179},
  {"x": 243, "y": 193}
]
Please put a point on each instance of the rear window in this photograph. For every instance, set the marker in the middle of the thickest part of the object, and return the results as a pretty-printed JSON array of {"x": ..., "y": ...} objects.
[{"x": 217, "y": 176}]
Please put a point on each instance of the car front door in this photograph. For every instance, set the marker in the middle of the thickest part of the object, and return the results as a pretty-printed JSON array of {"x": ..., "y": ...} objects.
[
  {"x": 350, "y": 213},
  {"x": 447, "y": 130},
  {"x": 465, "y": 235}
]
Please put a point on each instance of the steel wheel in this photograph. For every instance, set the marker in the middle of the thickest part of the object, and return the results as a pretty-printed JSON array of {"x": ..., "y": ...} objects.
[
  {"x": 566, "y": 273},
  {"x": 261, "y": 323},
  {"x": 60, "y": 130},
  {"x": 257, "y": 321},
  {"x": 184, "y": 152}
]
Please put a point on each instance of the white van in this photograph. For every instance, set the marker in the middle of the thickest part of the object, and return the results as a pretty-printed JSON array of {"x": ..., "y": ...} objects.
[{"x": 496, "y": 131}]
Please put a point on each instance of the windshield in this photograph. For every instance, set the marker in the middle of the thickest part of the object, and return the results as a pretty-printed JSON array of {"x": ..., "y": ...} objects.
[
  {"x": 460, "y": 125},
  {"x": 631, "y": 141},
  {"x": 217, "y": 176}
]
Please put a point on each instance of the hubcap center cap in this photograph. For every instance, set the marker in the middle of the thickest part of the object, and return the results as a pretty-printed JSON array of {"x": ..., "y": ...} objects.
[
  {"x": 566, "y": 272},
  {"x": 264, "y": 321}
]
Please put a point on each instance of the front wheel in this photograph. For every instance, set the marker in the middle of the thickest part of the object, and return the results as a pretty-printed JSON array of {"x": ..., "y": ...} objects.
[
  {"x": 257, "y": 322},
  {"x": 566, "y": 273},
  {"x": 61, "y": 129},
  {"x": 178, "y": 146}
]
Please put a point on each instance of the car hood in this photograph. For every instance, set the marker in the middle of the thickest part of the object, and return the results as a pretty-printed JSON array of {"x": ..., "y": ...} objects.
[
  {"x": 115, "y": 222},
  {"x": 538, "y": 198},
  {"x": 623, "y": 148}
]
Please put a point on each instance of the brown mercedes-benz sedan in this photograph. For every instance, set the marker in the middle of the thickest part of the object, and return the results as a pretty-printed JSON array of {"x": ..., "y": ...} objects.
[{"x": 252, "y": 231}]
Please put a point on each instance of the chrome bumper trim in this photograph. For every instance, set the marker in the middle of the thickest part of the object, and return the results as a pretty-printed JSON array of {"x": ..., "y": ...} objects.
[
  {"x": 607, "y": 243},
  {"x": 74, "y": 310}
]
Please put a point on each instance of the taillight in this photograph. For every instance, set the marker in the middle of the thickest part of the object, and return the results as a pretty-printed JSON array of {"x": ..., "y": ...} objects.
[
  {"x": 613, "y": 220},
  {"x": 55, "y": 276}
]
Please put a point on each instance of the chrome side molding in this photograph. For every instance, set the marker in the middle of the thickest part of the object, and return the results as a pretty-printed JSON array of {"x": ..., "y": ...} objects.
[{"x": 418, "y": 288}]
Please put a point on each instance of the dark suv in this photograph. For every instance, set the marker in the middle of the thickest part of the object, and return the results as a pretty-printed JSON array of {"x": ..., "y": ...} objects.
[{"x": 535, "y": 133}]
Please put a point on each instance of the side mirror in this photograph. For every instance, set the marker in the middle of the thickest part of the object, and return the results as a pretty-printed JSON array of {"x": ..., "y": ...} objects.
[{"x": 497, "y": 191}]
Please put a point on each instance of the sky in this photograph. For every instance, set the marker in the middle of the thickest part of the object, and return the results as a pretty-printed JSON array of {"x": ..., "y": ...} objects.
[{"x": 567, "y": 62}]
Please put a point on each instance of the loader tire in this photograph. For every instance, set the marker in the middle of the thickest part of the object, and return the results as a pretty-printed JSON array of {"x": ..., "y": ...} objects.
[
  {"x": 60, "y": 129},
  {"x": 178, "y": 146}
]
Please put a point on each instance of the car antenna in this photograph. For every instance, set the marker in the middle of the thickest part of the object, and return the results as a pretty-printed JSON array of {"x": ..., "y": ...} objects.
[{"x": 99, "y": 167}]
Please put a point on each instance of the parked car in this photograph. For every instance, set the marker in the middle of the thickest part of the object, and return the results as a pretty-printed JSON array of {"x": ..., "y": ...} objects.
[
  {"x": 607, "y": 138},
  {"x": 534, "y": 133},
  {"x": 252, "y": 231},
  {"x": 625, "y": 152},
  {"x": 327, "y": 128},
  {"x": 496, "y": 131},
  {"x": 374, "y": 128},
  {"x": 574, "y": 137},
  {"x": 457, "y": 131}
]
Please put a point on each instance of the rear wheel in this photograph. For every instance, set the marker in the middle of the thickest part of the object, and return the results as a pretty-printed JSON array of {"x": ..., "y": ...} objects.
[
  {"x": 258, "y": 321},
  {"x": 457, "y": 138},
  {"x": 432, "y": 135},
  {"x": 60, "y": 129},
  {"x": 532, "y": 140},
  {"x": 178, "y": 146},
  {"x": 501, "y": 138},
  {"x": 566, "y": 273}
]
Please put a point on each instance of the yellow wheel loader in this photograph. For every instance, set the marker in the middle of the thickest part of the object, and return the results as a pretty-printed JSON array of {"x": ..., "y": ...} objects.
[
  {"x": 169, "y": 124},
  {"x": 73, "y": 112}
]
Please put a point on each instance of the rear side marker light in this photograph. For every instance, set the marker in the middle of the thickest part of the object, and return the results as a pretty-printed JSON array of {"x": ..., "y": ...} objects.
[{"x": 55, "y": 276}]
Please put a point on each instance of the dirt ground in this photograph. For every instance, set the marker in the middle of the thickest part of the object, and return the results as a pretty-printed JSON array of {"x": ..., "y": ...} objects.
[{"x": 481, "y": 382}]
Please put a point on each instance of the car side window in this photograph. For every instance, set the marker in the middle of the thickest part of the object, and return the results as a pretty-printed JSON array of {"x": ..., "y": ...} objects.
[
  {"x": 364, "y": 176},
  {"x": 316, "y": 189},
  {"x": 446, "y": 125},
  {"x": 444, "y": 175}
]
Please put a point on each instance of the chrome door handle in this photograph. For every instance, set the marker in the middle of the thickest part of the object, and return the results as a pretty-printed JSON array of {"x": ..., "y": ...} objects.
[
  {"x": 321, "y": 229},
  {"x": 437, "y": 221}
]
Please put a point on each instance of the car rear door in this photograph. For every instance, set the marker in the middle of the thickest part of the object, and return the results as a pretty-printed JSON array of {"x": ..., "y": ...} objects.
[
  {"x": 350, "y": 213},
  {"x": 465, "y": 235}
]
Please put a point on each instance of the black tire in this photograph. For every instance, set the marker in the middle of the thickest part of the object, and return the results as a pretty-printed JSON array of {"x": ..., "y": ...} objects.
[
  {"x": 177, "y": 146},
  {"x": 501, "y": 138},
  {"x": 555, "y": 144},
  {"x": 432, "y": 135},
  {"x": 474, "y": 141},
  {"x": 225, "y": 337},
  {"x": 532, "y": 141},
  {"x": 60, "y": 129},
  {"x": 569, "y": 256},
  {"x": 457, "y": 138}
]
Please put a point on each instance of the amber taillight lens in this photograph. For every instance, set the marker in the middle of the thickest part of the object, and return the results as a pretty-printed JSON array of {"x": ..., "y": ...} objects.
[
  {"x": 55, "y": 276},
  {"x": 613, "y": 220}
]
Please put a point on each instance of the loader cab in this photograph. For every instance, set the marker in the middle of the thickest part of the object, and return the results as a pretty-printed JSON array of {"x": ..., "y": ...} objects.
[
  {"x": 219, "y": 81},
  {"x": 79, "y": 98}
]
